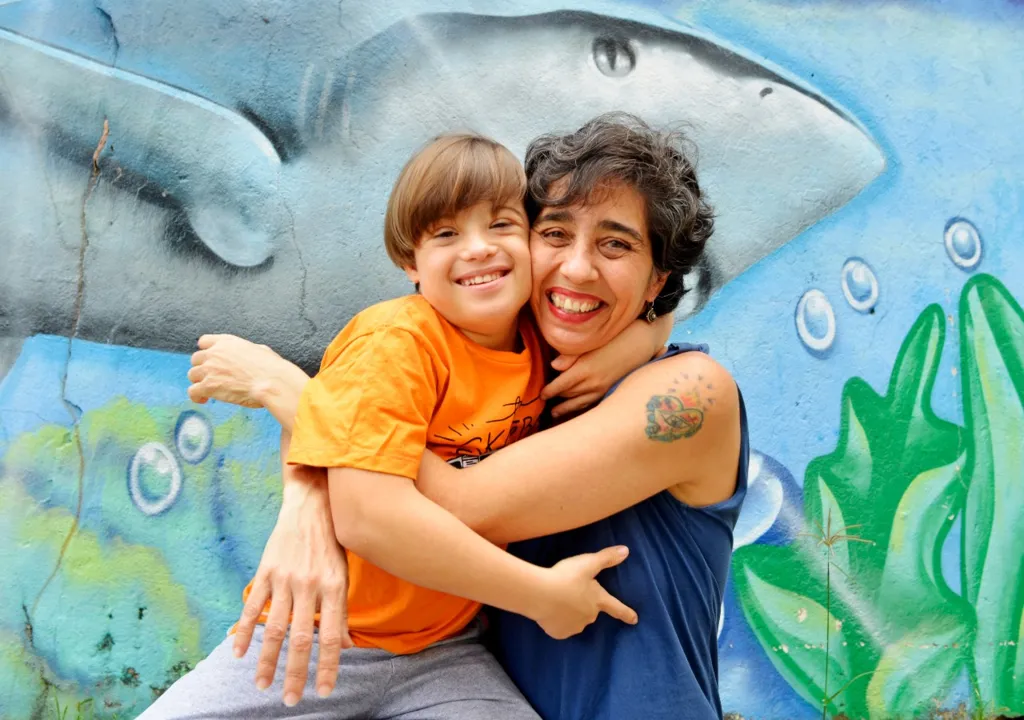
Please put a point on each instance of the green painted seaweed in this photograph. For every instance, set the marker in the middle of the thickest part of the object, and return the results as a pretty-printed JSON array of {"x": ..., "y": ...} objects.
[
  {"x": 992, "y": 349},
  {"x": 899, "y": 636}
]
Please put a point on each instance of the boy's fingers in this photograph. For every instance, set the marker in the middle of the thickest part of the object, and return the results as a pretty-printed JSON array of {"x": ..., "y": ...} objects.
[
  {"x": 564, "y": 362},
  {"x": 274, "y": 633},
  {"x": 196, "y": 395},
  {"x": 300, "y": 645},
  {"x": 561, "y": 384},
  {"x": 616, "y": 608},
  {"x": 254, "y": 605},
  {"x": 206, "y": 341},
  {"x": 573, "y": 405},
  {"x": 607, "y": 558}
]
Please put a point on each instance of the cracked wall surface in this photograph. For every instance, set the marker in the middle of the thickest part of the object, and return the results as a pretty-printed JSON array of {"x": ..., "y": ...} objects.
[{"x": 178, "y": 169}]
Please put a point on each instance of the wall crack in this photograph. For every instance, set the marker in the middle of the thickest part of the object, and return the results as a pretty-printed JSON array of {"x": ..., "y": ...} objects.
[
  {"x": 303, "y": 311},
  {"x": 74, "y": 411}
]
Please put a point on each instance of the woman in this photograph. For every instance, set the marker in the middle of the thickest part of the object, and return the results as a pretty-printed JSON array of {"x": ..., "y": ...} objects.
[{"x": 659, "y": 465}]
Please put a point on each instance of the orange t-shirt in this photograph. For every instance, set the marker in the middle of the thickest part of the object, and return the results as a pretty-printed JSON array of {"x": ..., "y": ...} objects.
[{"x": 398, "y": 379}]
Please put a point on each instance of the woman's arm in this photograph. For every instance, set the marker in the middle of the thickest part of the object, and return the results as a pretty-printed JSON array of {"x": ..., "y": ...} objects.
[
  {"x": 304, "y": 569},
  {"x": 674, "y": 424},
  {"x": 233, "y": 370}
]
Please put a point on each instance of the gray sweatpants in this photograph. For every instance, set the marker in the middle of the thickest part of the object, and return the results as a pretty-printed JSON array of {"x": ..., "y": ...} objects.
[{"x": 456, "y": 678}]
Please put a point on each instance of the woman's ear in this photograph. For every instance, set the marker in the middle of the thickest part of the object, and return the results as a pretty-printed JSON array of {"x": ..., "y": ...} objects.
[{"x": 658, "y": 280}]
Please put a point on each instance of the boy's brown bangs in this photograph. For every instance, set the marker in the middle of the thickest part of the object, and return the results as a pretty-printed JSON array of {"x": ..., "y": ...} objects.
[
  {"x": 463, "y": 175},
  {"x": 450, "y": 174}
]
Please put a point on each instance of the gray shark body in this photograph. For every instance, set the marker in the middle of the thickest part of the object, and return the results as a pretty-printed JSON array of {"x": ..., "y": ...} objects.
[{"x": 264, "y": 218}]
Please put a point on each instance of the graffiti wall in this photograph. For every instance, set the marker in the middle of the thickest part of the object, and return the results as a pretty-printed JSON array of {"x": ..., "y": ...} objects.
[{"x": 179, "y": 168}]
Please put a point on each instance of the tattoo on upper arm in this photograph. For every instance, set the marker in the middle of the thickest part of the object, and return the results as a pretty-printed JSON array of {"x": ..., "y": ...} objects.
[{"x": 679, "y": 413}]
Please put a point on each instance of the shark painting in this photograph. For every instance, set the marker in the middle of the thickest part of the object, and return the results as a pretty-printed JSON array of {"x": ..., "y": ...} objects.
[{"x": 148, "y": 210}]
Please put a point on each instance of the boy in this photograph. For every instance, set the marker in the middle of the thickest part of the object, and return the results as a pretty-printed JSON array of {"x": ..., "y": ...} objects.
[{"x": 455, "y": 370}]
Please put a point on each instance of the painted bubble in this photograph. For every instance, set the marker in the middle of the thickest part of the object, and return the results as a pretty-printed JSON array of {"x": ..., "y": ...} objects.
[
  {"x": 963, "y": 243},
  {"x": 193, "y": 436},
  {"x": 860, "y": 285},
  {"x": 154, "y": 478},
  {"x": 815, "y": 321},
  {"x": 763, "y": 503}
]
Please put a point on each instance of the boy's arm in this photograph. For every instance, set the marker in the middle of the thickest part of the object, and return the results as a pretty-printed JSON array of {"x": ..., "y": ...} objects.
[
  {"x": 385, "y": 520},
  {"x": 585, "y": 379},
  {"x": 233, "y": 370}
]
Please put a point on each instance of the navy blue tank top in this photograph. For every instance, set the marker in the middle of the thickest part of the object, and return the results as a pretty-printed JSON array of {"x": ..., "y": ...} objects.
[{"x": 664, "y": 667}]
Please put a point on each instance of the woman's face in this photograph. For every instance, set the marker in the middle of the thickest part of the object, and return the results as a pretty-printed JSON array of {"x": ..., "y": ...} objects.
[{"x": 593, "y": 271}]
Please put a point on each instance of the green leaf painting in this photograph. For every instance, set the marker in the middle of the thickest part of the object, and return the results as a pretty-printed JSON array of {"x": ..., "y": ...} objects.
[
  {"x": 898, "y": 635},
  {"x": 992, "y": 347}
]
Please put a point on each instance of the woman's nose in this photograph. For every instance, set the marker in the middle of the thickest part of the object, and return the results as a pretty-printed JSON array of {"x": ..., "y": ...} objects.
[{"x": 577, "y": 266}]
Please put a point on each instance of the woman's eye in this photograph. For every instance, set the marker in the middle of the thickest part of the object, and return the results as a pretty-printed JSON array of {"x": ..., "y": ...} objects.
[
  {"x": 501, "y": 224},
  {"x": 618, "y": 245},
  {"x": 554, "y": 235}
]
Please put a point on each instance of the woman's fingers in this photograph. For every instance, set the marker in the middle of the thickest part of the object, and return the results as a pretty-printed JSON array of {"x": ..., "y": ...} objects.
[
  {"x": 254, "y": 604},
  {"x": 300, "y": 642},
  {"x": 274, "y": 634},
  {"x": 334, "y": 638}
]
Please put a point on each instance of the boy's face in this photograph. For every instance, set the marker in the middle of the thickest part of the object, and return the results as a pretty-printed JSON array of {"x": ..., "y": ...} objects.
[{"x": 474, "y": 269}]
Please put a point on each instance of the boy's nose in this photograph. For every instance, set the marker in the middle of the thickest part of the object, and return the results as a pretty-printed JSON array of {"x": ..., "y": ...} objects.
[{"x": 478, "y": 246}]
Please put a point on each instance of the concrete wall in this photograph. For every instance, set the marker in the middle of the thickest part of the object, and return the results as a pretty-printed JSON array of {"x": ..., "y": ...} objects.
[{"x": 178, "y": 168}]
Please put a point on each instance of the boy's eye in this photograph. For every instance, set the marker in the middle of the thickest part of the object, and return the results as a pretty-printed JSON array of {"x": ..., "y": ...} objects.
[{"x": 442, "y": 234}]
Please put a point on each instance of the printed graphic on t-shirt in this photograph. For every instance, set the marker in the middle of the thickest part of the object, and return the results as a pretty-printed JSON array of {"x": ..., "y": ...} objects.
[{"x": 470, "y": 444}]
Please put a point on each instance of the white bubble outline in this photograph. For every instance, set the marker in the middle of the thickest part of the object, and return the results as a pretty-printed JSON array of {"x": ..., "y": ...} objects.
[
  {"x": 149, "y": 507},
  {"x": 872, "y": 299},
  {"x": 759, "y": 480},
  {"x": 816, "y": 344},
  {"x": 193, "y": 458},
  {"x": 962, "y": 263}
]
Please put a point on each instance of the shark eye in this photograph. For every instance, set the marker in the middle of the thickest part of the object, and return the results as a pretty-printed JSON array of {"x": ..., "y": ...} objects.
[{"x": 614, "y": 56}]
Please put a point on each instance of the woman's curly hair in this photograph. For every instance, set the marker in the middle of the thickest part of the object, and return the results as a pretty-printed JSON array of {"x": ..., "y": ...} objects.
[{"x": 622, "y": 147}]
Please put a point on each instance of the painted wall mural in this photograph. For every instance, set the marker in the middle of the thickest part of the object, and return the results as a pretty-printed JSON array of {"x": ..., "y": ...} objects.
[{"x": 174, "y": 169}]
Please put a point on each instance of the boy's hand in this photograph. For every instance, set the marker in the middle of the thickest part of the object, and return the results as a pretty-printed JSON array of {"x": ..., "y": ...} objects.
[
  {"x": 577, "y": 598},
  {"x": 302, "y": 567},
  {"x": 585, "y": 379},
  {"x": 230, "y": 369}
]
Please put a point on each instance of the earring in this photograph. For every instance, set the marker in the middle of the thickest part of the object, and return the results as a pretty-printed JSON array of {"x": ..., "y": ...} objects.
[{"x": 651, "y": 316}]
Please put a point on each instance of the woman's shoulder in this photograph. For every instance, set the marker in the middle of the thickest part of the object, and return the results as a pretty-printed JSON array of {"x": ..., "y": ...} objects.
[
  {"x": 683, "y": 367},
  {"x": 683, "y": 395}
]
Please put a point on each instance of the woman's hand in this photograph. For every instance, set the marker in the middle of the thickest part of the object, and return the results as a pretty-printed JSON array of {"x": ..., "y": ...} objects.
[
  {"x": 302, "y": 567},
  {"x": 576, "y": 598},
  {"x": 585, "y": 379},
  {"x": 233, "y": 370}
]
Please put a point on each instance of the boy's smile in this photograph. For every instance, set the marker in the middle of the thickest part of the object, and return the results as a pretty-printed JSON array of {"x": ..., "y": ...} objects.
[{"x": 484, "y": 279}]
